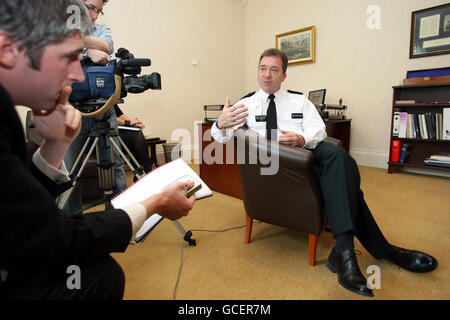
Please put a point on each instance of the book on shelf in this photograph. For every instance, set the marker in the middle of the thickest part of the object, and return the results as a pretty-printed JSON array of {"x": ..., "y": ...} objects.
[
  {"x": 396, "y": 147},
  {"x": 446, "y": 124},
  {"x": 422, "y": 126},
  {"x": 410, "y": 128},
  {"x": 417, "y": 126},
  {"x": 429, "y": 126},
  {"x": 402, "y": 124},
  {"x": 441, "y": 157},
  {"x": 404, "y": 102},
  {"x": 438, "y": 126},
  {"x": 437, "y": 163},
  {"x": 396, "y": 122},
  {"x": 441, "y": 160},
  {"x": 405, "y": 152}
]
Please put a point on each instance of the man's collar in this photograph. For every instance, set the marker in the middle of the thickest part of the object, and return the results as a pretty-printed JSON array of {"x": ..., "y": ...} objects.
[{"x": 266, "y": 95}]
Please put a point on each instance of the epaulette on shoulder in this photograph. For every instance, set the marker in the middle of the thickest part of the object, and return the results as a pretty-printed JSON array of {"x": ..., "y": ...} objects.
[
  {"x": 295, "y": 92},
  {"x": 248, "y": 95}
]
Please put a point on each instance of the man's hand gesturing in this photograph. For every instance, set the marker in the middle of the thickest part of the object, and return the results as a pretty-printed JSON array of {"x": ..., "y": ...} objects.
[{"x": 232, "y": 115}]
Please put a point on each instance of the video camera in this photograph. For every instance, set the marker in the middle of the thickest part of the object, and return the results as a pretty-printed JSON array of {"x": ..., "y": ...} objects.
[
  {"x": 132, "y": 66},
  {"x": 106, "y": 85}
]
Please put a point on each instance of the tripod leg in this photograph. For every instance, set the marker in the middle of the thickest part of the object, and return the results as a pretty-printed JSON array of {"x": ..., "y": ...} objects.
[
  {"x": 187, "y": 236},
  {"x": 62, "y": 200},
  {"x": 106, "y": 174},
  {"x": 138, "y": 171}
]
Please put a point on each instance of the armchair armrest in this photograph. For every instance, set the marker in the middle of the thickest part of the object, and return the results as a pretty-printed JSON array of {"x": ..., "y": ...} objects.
[
  {"x": 290, "y": 158},
  {"x": 333, "y": 141}
]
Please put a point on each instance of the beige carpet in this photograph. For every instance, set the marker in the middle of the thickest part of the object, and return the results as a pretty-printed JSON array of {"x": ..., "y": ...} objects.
[{"x": 412, "y": 210}]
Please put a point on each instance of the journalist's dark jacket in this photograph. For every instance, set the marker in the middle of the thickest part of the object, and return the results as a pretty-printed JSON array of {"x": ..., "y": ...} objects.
[{"x": 38, "y": 242}]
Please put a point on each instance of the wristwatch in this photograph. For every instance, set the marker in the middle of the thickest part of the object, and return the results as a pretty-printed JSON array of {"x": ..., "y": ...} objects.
[
  {"x": 84, "y": 53},
  {"x": 127, "y": 123}
]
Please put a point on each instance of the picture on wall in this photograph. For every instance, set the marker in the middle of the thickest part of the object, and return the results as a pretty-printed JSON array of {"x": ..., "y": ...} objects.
[
  {"x": 430, "y": 32},
  {"x": 299, "y": 45}
]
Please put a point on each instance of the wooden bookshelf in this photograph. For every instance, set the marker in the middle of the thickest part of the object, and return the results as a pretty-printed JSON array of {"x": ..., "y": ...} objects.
[{"x": 425, "y": 96}]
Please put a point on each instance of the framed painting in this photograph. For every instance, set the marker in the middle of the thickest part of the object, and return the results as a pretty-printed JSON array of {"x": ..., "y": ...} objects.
[{"x": 299, "y": 45}]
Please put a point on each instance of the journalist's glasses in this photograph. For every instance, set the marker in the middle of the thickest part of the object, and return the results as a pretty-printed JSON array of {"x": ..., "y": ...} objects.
[{"x": 94, "y": 9}]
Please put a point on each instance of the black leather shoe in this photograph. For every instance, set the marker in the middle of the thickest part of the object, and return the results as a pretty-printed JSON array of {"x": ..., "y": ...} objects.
[
  {"x": 347, "y": 269},
  {"x": 412, "y": 260}
]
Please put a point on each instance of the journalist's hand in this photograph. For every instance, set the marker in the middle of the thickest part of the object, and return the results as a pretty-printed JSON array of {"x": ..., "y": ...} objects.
[
  {"x": 232, "y": 115},
  {"x": 171, "y": 202},
  {"x": 59, "y": 127}
]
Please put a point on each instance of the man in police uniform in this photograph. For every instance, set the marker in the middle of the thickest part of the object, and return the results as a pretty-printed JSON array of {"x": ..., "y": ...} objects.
[{"x": 290, "y": 118}]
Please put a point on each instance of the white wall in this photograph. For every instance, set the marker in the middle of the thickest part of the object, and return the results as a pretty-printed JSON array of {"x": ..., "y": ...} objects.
[
  {"x": 173, "y": 33},
  {"x": 352, "y": 62},
  {"x": 227, "y": 37}
]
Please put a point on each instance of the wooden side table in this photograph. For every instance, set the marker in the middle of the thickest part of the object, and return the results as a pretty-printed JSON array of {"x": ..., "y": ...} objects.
[{"x": 339, "y": 129}]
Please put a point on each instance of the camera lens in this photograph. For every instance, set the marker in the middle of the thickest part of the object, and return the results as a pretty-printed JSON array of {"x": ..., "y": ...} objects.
[{"x": 153, "y": 81}]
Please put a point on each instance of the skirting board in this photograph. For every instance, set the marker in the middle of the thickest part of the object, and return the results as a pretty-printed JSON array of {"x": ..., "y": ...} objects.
[{"x": 370, "y": 158}]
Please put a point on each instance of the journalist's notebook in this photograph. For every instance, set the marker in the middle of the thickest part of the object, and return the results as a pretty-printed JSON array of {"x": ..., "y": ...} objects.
[{"x": 154, "y": 182}]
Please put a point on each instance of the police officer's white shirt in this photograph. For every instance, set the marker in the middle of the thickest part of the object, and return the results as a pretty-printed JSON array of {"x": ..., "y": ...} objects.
[{"x": 295, "y": 113}]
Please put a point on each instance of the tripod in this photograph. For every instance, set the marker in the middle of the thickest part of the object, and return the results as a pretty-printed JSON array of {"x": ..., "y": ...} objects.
[{"x": 101, "y": 131}]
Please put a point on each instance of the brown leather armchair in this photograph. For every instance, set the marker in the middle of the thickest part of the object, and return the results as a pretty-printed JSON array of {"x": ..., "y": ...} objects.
[{"x": 290, "y": 198}]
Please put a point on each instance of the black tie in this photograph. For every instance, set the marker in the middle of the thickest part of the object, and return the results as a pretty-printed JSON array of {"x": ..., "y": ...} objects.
[{"x": 271, "y": 120}]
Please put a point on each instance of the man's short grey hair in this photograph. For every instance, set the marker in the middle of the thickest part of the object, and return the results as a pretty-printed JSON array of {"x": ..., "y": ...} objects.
[{"x": 35, "y": 24}]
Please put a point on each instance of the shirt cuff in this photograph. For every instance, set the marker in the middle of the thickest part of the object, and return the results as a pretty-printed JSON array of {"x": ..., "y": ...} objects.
[
  {"x": 221, "y": 135},
  {"x": 137, "y": 214},
  {"x": 58, "y": 175}
]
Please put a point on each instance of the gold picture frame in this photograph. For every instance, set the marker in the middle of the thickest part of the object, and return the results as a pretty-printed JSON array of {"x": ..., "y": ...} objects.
[{"x": 299, "y": 45}]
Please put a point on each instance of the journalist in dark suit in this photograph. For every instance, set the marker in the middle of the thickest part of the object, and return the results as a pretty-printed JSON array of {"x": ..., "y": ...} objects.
[{"x": 40, "y": 247}]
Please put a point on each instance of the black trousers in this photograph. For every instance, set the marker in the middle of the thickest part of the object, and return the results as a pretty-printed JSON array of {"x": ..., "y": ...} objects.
[
  {"x": 100, "y": 280},
  {"x": 135, "y": 141},
  {"x": 340, "y": 181}
]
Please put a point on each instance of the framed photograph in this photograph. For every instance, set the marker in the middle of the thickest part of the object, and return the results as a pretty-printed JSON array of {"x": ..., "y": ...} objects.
[
  {"x": 317, "y": 97},
  {"x": 299, "y": 45},
  {"x": 430, "y": 32}
]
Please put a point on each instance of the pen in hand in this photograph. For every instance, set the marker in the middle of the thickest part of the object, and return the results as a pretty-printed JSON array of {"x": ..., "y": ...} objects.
[{"x": 192, "y": 190}]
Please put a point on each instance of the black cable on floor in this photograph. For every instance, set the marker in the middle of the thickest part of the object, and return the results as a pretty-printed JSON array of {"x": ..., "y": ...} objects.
[{"x": 182, "y": 247}]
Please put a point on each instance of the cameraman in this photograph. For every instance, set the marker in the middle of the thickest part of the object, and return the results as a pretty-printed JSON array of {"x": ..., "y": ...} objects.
[
  {"x": 134, "y": 139},
  {"x": 38, "y": 244},
  {"x": 98, "y": 47}
]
